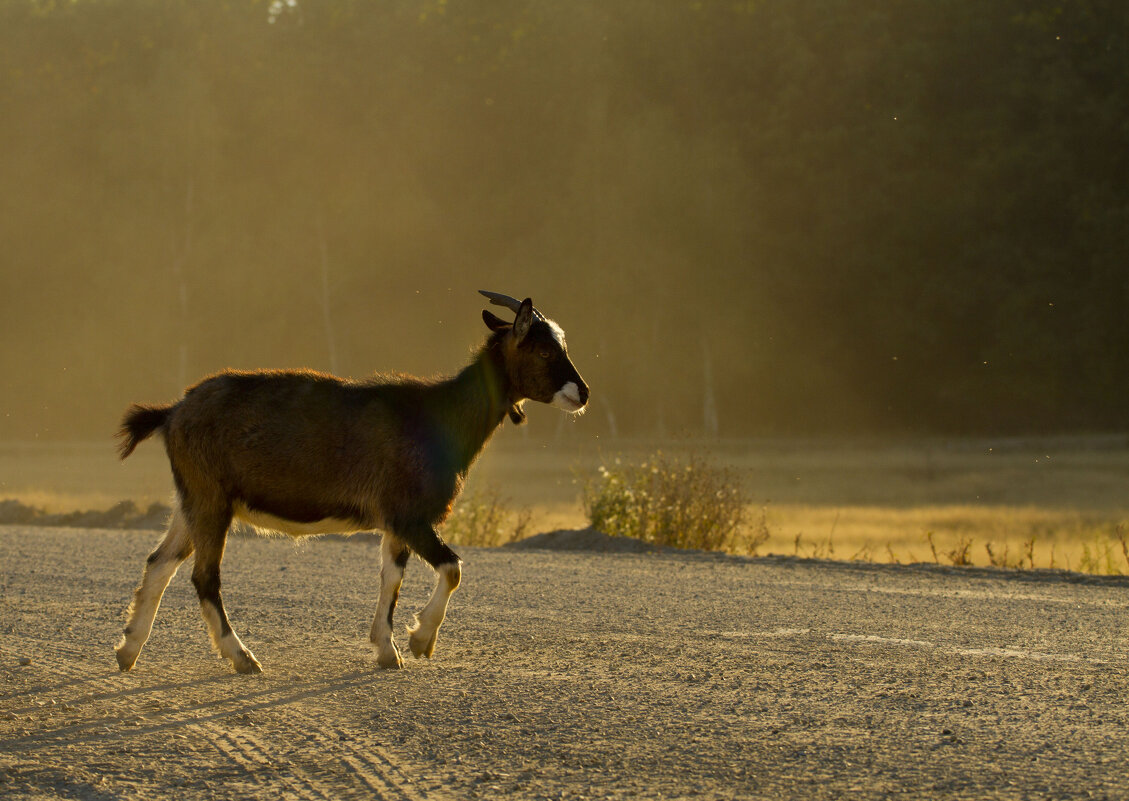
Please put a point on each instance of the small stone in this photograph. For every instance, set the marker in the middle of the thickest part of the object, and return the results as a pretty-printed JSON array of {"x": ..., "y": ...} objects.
[{"x": 25, "y": 660}]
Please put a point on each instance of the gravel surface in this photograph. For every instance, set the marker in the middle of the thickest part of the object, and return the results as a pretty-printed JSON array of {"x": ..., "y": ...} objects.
[{"x": 562, "y": 674}]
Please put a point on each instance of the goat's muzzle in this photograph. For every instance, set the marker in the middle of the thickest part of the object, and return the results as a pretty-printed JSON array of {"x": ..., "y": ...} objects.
[{"x": 572, "y": 397}]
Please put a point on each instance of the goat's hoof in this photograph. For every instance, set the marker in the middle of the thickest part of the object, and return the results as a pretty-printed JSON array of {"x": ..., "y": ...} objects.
[
  {"x": 245, "y": 662},
  {"x": 390, "y": 661},
  {"x": 127, "y": 656},
  {"x": 422, "y": 645}
]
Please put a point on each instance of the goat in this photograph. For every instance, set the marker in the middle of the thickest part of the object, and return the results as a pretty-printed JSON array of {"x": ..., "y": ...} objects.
[{"x": 304, "y": 453}]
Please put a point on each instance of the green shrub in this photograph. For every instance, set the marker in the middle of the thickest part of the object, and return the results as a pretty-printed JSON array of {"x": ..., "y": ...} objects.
[{"x": 684, "y": 502}]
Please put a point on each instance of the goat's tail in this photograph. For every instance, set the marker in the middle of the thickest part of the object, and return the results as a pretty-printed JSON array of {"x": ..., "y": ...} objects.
[{"x": 139, "y": 422}]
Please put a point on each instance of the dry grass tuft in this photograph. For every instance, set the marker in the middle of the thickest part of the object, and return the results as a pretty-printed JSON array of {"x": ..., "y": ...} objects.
[{"x": 759, "y": 534}]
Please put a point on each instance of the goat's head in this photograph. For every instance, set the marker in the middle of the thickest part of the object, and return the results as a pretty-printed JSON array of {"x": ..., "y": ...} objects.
[{"x": 537, "y": 362}]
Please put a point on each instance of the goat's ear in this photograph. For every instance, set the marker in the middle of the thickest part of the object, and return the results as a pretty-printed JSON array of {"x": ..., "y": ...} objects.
[
  {"x": 517, "y": 414},
  {"x": 524, "y": 319},
  {"x": 492, "y": 322}
]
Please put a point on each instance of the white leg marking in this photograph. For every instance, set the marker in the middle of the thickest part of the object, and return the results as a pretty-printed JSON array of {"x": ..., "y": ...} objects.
[
  {"x": 391, "y": 575},
  {"x": 147, "y": 597},
  {"x": 426, "y": 629},
  {"x": 229, "y": 646}
]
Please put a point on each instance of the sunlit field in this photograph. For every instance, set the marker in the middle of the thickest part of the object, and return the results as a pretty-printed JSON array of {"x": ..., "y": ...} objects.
[
  {"x": 1022, "y": 537},
  {"x": 1011, "y": 503}
]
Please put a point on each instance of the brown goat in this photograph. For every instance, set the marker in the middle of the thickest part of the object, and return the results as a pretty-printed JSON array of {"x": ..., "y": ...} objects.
[{"x": 304, "y": 453}]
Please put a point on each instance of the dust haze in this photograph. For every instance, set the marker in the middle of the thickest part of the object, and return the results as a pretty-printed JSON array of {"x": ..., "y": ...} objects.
[
  {"x": 805, "y": 236},
  {"x": 749, "y": 218}
]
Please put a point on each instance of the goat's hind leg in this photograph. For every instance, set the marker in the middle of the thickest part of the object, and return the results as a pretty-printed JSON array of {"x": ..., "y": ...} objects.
[
  {"x": 210, "y": 537},
  {"x": 160, "y": 567},
  {"x": 394, "y": 556},
  {"x": 430, "y": 546}
]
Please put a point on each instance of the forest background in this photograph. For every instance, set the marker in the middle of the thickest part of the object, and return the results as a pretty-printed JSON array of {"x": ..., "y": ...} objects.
[{"x": 798, "y": 217}]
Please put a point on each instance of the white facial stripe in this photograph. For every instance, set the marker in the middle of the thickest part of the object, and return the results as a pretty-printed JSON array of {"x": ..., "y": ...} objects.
[{"x": 557, "y": 331}]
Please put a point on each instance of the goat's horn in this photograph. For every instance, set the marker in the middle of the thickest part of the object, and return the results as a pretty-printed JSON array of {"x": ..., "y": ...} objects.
[
  {"x": 513, "y": 304},
  {"x": 498, "y": 299}
]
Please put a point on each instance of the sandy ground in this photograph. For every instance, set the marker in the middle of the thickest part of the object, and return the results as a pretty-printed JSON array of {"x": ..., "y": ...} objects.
[{"x": 563, "y": 674}]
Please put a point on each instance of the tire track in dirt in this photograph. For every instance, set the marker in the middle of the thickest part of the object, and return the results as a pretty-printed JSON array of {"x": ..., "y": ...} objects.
[
  {"x": 375, "y": 772},
  {"x": 203, "y": 710},
  {"x": 383, "y": 775},
  {"x": 864, "y": 640},
  {"x": 135, "y": 712},
  {"x": 251, "y": 754}
]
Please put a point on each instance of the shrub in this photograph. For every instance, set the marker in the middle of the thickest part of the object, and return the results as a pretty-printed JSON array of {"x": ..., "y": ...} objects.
[
  {"x": 481, "y": 518},
  {"x": 684, "y": 502}
]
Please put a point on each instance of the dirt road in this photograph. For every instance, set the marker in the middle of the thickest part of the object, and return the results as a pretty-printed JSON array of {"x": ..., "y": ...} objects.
[{"x": 562, "y": 675}]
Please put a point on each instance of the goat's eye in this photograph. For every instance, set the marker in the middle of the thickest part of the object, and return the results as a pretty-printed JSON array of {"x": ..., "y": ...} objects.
[{"x": 545, "y": 354}]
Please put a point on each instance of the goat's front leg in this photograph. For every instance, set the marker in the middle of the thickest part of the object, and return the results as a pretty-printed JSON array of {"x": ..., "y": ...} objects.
[
  {"x": 394, "y": 556},
  {"x": 424, "y": 633},
  {"x": 448, "y": 566}
]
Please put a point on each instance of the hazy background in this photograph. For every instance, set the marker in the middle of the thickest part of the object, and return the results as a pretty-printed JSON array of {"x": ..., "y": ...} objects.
[{"x": 778, "y": 217}]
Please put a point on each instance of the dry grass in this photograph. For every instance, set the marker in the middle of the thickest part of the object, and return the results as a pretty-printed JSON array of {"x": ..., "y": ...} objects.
[
  {"x": 1003, "y": 536},
  {"x": 61, "y": 502},
  {"x": 1017, "y": 504}
]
